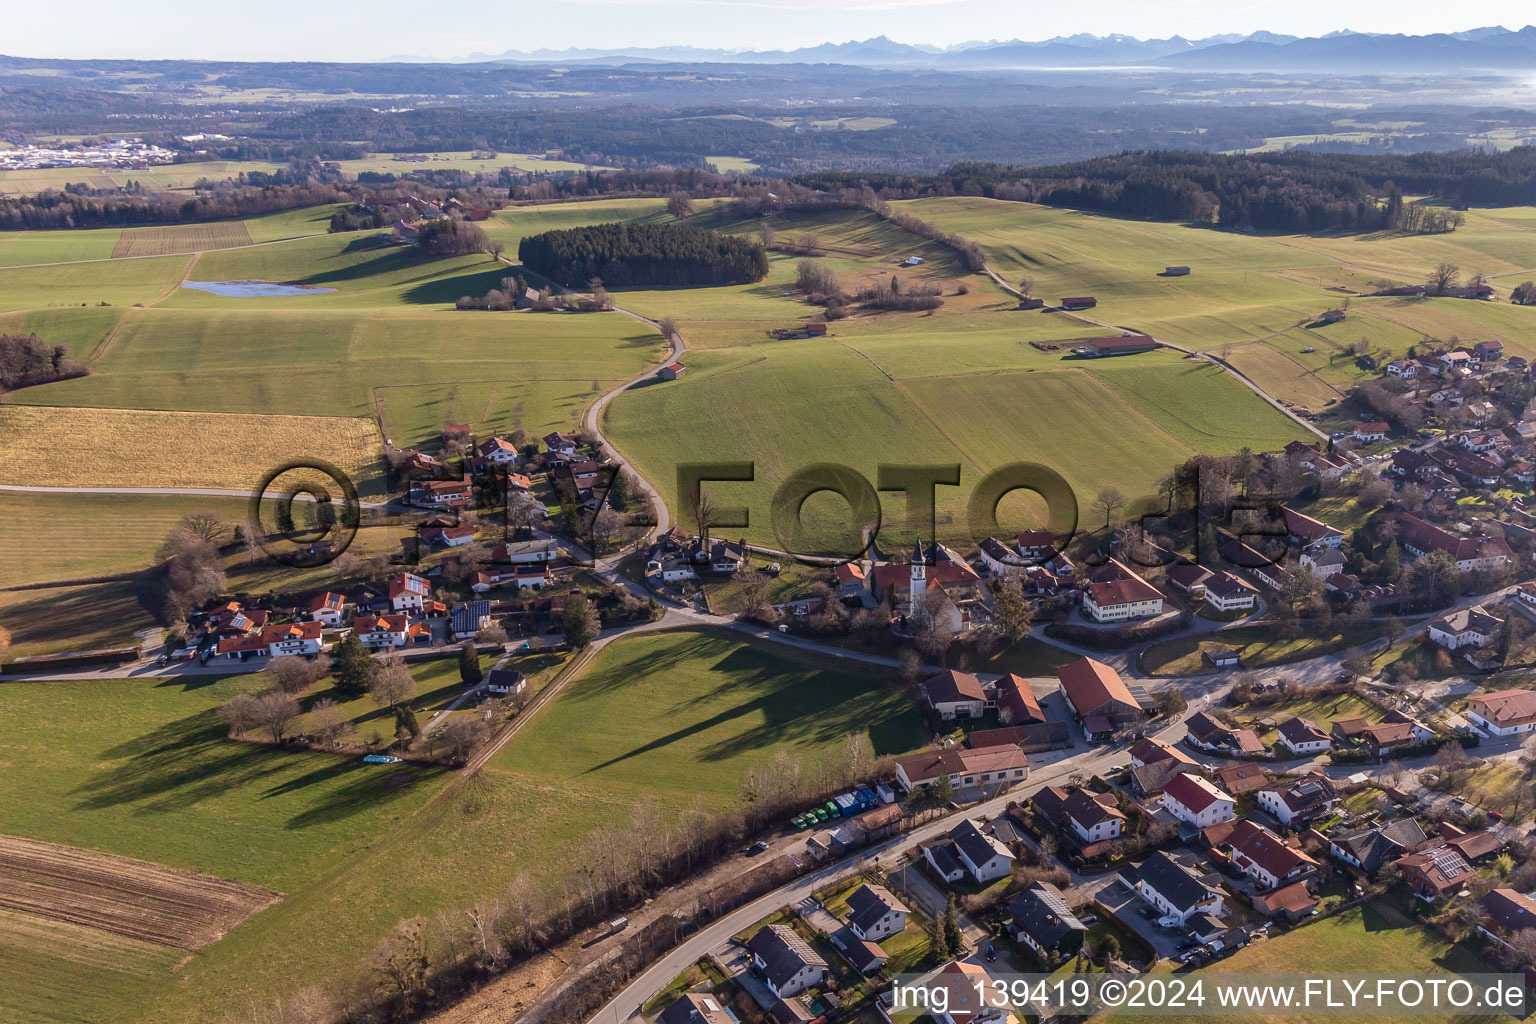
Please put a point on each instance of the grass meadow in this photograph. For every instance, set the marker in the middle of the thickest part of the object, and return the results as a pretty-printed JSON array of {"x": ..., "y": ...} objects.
[
  {"x": 140, "y": 448},
  {"x": 662, "y": 723}
]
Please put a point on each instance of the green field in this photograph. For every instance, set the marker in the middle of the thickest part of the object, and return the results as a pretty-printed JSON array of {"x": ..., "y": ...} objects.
[
  {"x": 789, "y": 405},
  {"x": 657, "y": 724},
  {"x": 1256, "y": 292}
]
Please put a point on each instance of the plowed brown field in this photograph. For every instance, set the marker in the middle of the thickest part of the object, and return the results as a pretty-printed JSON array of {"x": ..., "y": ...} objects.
[{"x": 129, "y": 897}]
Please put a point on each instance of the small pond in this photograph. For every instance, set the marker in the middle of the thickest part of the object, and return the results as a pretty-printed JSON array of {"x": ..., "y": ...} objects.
[{"x": 254, "y": 289}]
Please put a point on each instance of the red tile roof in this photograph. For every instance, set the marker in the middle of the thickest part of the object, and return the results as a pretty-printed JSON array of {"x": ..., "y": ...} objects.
[
  {"x": 1193, "y": 792},
  {"x": 1090, "y": 685}
]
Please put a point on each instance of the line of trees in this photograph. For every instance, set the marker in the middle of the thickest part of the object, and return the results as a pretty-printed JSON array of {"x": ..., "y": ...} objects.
[
  {"x": 644, "y": 254},
  {"x": 53, "y": 210}
]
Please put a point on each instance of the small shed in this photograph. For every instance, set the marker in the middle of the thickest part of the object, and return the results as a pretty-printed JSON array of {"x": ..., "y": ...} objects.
[
  {"x": 1175, "y": 271},
  {"x": 672, "y": 371},
  {"x": 1030, "y": 303},
  {"x": 1079, "y": 302}
]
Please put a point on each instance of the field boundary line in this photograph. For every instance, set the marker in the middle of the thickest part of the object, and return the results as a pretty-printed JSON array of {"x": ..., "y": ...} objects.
[
  {"x": 912, "y": 400},
  {"x": 1118, "y": 397},
  {"x": 111, "y": 335}
]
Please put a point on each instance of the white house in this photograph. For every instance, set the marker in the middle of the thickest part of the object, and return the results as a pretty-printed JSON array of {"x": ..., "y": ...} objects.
[
  {"x": 1297, "y": 801},
  {"x": 378, "y": 631},
  {"x": 1173, "y": 890},
  {"x": 786, "y": 963},
  {"x": 954, "y": 695},
  {"x": 1093, "y": 816},
  {"x": 1465, "y": 627},
  {"x": 408, "y": 592},
  {"x": 1228, "y": 593},
  {"x": 1119, "y": 595},
  {"x": 1504, "y": 712},
  {"x": 984, "y": 857},
  {"x": 1368, "y": 432},
  {"x": 1266, "y": 858},
  {"x": 1301, "y": 736},
  {"x": 498, "y": 451},
  {"x": 874, "y": 914},
  {"x": 292, "y": 638},
  {"x": 327, "y": 608},
  {"x": 1197, "y": 801}
]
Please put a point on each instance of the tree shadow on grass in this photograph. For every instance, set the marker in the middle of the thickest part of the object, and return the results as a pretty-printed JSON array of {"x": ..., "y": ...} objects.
[
  {"x": 182, "y": 763},
  {"x": 800, "y": 705},
  {"x": 435, "y": 290}
]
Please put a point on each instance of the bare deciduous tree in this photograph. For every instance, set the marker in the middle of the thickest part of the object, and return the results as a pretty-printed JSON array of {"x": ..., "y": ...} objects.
[{"x": 390, "y": 682}]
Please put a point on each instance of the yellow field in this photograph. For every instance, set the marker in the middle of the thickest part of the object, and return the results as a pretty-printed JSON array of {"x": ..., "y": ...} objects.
[
  {"x": 181, "y": 238},
  {"x": 132, "y": 448}
]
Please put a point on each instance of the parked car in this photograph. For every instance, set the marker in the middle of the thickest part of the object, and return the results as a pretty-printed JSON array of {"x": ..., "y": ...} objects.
[{"x": 756, "y": 848}]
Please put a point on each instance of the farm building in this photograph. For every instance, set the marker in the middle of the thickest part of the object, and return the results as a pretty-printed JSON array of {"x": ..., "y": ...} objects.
[
  {"x": 672, "y": 371},
  {"x": 1119, "y": 345},
  {"x": 1176, "y": 272},
  {"x": 1029, "y": 303},
  {"x": 1079, "y": 302}
]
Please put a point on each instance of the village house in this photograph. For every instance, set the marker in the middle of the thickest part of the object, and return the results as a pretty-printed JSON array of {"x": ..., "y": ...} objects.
[
  {"x": 969, "y": 996},
  {"x": 1099, "y": 698},
  {"x": 971, "y": 851},
  {"x": 1369, "y": 848},
  {"x": 1266, "y": 858},
  {"x": 538, "y": 548},
  {"x": 1505, "y": 912},
  {"x": 445, "y": 493},
  {"x": 1238, "y": 779},
  {"x": 505, "y": 682},
  {"x": 273, "y": 640},
  {"x": 1435, "y": 873},
  {"x": 1207, "y": 733},
  {"x": 1375, "y": 430},
  {"x": 469, "y": 618},
  {"x": 1475, "y": 847},
  {"x": 1228, "y": 593},
  {"x": 408, "y": 592},
  {"x": 1294, "y": 802},
  {"x": 449, "y": 536},
  {"x": 1172, "y": 889},
  {"x": 1040, "y": 918},
  {"x": 1000, "y": 559},
  {"x": 999, "y": 765},
  {"x": 874, "y": 914},
  {"x": 1189, "y": 578},
  {"x": 1151, "y": 750},
  {"x": 1471, "y": 554},
  {"x": 1323, "y": 564},
  {"x": 1387, "y": 735},
  {"x": 379, "y": 631},
  {"x": 497, "y": 451},
  {"x": 1503, "y": 712},
  {"x": 327, "y": 609},
  {"x": 1093, "y": 817},
  {"x": 955, "y": 695},
  {"x": 1301, "y": 736},
  {"x": 1290, "y": 902},
  {"x": 1310, "y": 533},
  {"x": 696, "y": 1008},
  {"x": 1115, "y": 594},
  {"x": 786, "y": 963},
  {"x": 1016, "y": 701},
  {"x": 1465, "y": 627},
  {"x": 1197, "y": 802}
]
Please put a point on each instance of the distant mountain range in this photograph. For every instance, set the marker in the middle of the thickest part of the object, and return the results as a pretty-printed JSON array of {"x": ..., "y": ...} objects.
[{"x": 1343, "y": 53}]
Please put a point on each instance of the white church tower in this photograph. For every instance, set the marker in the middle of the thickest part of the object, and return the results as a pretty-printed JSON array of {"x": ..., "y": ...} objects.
[{"x": 919, "y": 574}]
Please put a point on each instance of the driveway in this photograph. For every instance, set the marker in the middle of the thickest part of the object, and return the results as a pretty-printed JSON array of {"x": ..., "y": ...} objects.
[{"x": 1125, "y": 906}]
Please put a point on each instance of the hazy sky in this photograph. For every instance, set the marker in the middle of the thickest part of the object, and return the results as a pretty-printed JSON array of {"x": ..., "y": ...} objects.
[{"x": 343, "y": 31}]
